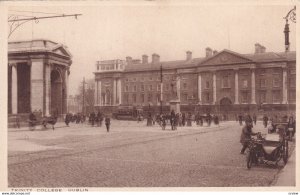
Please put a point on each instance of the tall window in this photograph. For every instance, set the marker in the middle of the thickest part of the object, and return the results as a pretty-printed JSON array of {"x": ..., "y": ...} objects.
[
  {"x": 292, "y": 81},
  {"x": 134, "y": 88},
  {"x": 262, "y": 97},
  {"x": 276, "y": 96},
  {"x": 244, "y": 97},
  {"x": 134, "y": 98},
  {"x": 263, "y": 83},
  {"x": 142, "y": 88},
  {"x": 158, "y": 97},
  {"x": 149, "y": 97},
  {"x": 167, "y": 87},
  {"x": 126, "y": 98},
  {"x": 158, "y": 87},
  {"x": 150, "y": 87},
  {"x": 276, "y": 82},
  {"x": 245, "y": 83},
  {"x": 292, "y": 95},
  {"x": 225, "y": 82},
  {"x": 184, "y": 85},
  {"x": 185, "y": 96},
  {"x": 126, "y": 88},
  {"x": 142, "y": 98},
  {"x": 207, "y": 84},
  {"x": 207, "y": 97}
]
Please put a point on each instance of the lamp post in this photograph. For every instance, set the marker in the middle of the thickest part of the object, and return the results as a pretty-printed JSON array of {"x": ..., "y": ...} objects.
[
  {"x": 291, "y": 15},
  {"x": 161, "y": 88}
]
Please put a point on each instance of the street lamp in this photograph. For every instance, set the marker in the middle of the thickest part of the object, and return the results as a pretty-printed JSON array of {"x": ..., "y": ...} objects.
[{"x": 291, "y": 15}]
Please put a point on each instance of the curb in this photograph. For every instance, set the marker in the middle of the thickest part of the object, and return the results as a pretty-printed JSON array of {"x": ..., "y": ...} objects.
[{"x": 287, "y": 176}]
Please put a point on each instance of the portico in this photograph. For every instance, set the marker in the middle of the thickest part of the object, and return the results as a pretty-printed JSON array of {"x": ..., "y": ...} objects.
[{"x": 38, "y": 72}]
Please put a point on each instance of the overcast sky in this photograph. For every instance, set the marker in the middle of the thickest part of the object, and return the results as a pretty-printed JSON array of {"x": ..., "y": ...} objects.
[{"x": 105, "y": 32}]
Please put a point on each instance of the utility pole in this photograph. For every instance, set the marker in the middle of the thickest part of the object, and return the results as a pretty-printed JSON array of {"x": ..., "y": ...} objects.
[
  {"x": 161, "y": 88},
  {"x": 83, "y": 96}
]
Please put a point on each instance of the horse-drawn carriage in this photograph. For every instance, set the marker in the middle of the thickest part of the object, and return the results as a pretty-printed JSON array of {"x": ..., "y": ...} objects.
[{"x": 35, "y": 120}]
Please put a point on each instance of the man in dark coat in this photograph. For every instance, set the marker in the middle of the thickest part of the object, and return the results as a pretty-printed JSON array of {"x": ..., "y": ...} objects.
[
  {"x": 246, "y": 136},
  {"x": 265, "y": 121},
  {"x": 107, "y": 123}
]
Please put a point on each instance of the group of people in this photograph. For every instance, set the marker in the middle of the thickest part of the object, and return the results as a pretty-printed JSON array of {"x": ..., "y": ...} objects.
[
  {"x": 181, "y": 119},
  {"x": 267, "y": 123},
  {"x": 240, "y": 118},
  {"x": 93, "y": 118}
]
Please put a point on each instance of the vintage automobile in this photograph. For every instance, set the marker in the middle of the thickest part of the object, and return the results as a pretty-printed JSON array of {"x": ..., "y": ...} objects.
[{"x": 263, "y": 150}]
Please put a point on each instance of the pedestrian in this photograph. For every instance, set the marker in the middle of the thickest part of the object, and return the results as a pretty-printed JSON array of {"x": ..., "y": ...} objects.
[
  {"x": 149, "y": 119},
  {"x": 183, "y": 119},
  {"x": 246, "y": 136},
  {"x": 265, "y": 120},
  {"x": 208, "y": 119},
  {"x": 107, "y": 123},
  {"x": 163, "y": 122},
  {"x": 254, "y": 119},
  {"x": 92, "y": 118},
  {"x": 67, "y": 119},
  {"x": 201, "y": 121},
  {"x": 197, "y": 118},
  {"x": 189, "y": 120}
]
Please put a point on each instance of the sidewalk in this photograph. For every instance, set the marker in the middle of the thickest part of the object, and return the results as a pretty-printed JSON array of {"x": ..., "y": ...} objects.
[{"x": 287, "y": 176}]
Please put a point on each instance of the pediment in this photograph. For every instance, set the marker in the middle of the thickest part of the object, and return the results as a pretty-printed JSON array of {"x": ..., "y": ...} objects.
[
  {"x": 61, "y": 50},
  {"x": 226, "y": 57}
]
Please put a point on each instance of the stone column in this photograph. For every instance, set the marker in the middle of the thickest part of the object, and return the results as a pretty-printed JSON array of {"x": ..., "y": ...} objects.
[
  {"x": 199, "y": 88},
  {"x": 284, "y": 86},
  {"x": 119, "y": 91},
  {"x": 67, "y": 89},
  {"x": 47, "y": 88},
  {"x": 96, "y": 94},
  {"x": 214, "y": 88},
  {"x": 236, "y": 87},
  {"x": 114, "y": 94},
  {"x": 37, "y": 85},
  {"x": 99, "y": 93},
  {"x": 253, "y": 101},
  {"x": 178, "y": 86},
  {"x": 14, "y": 89}
]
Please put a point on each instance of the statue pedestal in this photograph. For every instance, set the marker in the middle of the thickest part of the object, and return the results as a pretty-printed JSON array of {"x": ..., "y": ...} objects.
[{"x": 175, "y": 105}]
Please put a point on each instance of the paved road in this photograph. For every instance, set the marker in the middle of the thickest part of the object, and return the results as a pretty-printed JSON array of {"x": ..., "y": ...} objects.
[{"x": 132, "y": 155}]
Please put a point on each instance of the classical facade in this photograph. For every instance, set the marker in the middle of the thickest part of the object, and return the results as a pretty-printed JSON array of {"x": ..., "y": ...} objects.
[
  {"x": 223, "y": 82},
  {"x": 38, "y": 72}
]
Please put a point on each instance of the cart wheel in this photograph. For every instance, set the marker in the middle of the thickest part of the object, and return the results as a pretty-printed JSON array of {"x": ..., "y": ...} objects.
[{"x": 249, "y": 159}]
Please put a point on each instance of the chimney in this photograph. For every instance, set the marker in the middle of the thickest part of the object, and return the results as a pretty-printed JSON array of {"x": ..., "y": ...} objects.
[
  {"x": 188, "y": 55},
  {"x": 144, "y": 59},
  {"x": 155, "y": 58},
  {"x": 215, "y": 52},
  {"x": 208, "y": 52},
  {"x": 259, "y": 48},
  {"x": 129, "y": 60}
]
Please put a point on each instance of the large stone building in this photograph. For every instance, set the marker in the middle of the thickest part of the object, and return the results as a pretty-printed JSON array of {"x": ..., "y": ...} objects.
[
  {"x": 38, "y": 72},
  {"x": 221, "y": 82}
]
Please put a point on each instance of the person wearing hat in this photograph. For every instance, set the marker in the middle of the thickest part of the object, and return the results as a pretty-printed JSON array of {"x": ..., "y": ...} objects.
[{"x": 246, "y": 135}]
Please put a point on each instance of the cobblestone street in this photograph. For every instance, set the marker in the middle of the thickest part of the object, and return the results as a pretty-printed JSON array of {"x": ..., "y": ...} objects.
[{"x": 133, "y": 155}]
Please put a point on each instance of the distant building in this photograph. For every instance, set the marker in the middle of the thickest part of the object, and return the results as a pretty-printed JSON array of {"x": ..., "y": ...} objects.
[
  {"x": 38, "y": 72},
  {"x": 224, "y": 82}
]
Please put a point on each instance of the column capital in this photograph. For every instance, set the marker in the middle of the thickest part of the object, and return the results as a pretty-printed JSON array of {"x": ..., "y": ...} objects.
[{"x": 12, "y": 64}]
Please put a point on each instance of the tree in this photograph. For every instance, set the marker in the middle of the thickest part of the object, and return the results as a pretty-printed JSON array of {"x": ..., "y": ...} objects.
[{"x": 88, "y": 94}]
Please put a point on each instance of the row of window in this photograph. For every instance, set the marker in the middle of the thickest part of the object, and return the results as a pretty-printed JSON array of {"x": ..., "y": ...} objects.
[
  {"x": 158, "y": 78},
  {"x": 225, "y": 84},
  {"x": 110, "y": 67},
  {"x": 245, "y": 96},
  {"x": 151, "y": 87},
  {"x": 150, "y": 97}
]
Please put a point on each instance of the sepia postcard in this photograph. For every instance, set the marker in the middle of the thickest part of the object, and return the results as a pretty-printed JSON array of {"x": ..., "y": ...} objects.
[{"x": 149, "y": 95}]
